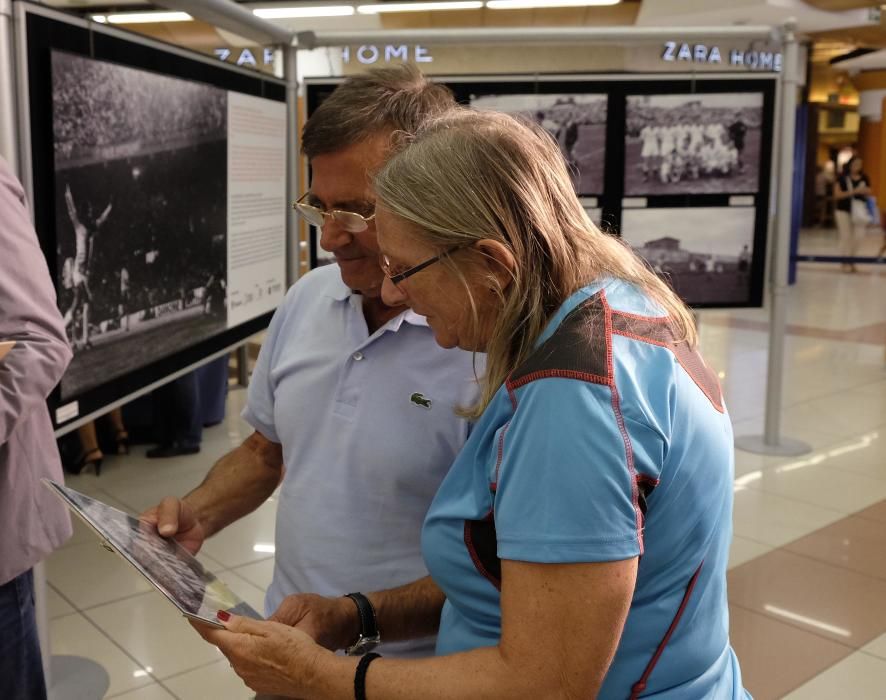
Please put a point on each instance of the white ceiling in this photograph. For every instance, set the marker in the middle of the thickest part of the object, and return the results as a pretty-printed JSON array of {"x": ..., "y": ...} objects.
[
  {"x": 651, "y": 13},
  {"x": 720, "y": 12}
]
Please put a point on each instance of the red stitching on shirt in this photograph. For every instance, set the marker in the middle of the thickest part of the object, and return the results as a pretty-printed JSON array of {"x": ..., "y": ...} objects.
[
  {"x": 616, "y": 406},
  {"x": 640, "y": 685},
  {"x": 563, "y": 374}
]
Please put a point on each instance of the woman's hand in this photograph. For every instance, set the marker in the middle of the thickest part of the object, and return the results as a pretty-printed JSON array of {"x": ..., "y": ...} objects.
[
  {"x": 333, "y": 622},
  {"x": 270, "y": 657}
]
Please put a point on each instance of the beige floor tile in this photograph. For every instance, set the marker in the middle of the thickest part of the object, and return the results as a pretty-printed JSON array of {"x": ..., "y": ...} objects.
[
  {"x": 743, "y": 550},
  {"x": 877, "y": 647},
  {"x": 819, "y": 485},
  {"x": 858, "y": 676},
  {"x": 246, "y": 543},
  {"x": 259, "y": 574},
  {"x": 774, "y": 520},
  {"x": 88, "y": 575},
  {"x": 145, "y": 490},
  {"x": 56, "y": 606},
  {"x": 152, "y": 630},
  {"x": 850, "y": 543},
  {"x": 217, "y": 681},
  {"x": 73, "y": 635},
  {"x": 863, "y": 454},
  {"x": 149, "y": 692},
  {"x": 247, "y": 591},
  {"x": 798, "y": 423},
  {"x": 836, "y": 603},
  {"x": 759, "y": 641}
]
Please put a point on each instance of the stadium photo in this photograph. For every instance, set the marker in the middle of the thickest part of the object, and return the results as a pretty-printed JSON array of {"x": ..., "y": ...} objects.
[
  {"x": 693, "y": 144},
  {"x": 141, "y": 215},
  {"x": 576, "y": 121},
  {"x": 704, "y": 264}
]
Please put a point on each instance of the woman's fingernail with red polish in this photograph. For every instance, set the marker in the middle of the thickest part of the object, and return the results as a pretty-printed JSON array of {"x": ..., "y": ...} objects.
[{"x": 223, "y": 615}]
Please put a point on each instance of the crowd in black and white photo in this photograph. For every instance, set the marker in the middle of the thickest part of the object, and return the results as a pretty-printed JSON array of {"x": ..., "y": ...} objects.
[
  {"x": 141, "y": 215},
  {"x": 98, "y": 105}
]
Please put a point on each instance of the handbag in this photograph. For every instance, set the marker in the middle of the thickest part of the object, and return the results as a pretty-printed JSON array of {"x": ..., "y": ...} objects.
[{"x": 858, "y": 210}]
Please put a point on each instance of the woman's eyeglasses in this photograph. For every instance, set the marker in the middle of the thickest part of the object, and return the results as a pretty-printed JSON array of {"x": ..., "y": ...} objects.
[
  {"x": 350, "y": 221},
  {"x": 397, "y": 277}
]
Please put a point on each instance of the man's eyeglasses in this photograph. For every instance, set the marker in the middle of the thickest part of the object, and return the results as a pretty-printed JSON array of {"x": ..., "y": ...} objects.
[
  {"x": 397, "y": 277},
  {"x": 350, "y": 221}
]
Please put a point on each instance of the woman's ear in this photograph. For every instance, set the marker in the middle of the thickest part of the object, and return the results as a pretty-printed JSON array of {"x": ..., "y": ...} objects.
[{"x": 500, "y": 263}]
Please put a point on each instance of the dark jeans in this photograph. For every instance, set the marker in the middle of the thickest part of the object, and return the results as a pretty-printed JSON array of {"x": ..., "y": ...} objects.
[{"x": 21, "y": 666}]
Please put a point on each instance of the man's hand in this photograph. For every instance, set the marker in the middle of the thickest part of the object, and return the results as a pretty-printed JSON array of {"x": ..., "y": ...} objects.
[
  {"x": 175, "y": 518},
  {"x": 333, "y": 623}
]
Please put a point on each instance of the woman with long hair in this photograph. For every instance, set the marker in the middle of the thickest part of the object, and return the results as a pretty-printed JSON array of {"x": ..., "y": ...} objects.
[{"x": 578, "y": 546}]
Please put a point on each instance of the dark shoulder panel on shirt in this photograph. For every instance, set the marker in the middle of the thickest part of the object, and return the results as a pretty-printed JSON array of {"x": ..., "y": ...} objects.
[{"x": 581, "y": 348}]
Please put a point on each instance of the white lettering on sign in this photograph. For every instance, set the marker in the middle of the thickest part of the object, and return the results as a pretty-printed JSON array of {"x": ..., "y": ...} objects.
[
  {"x": 369, "y": 54},
  {"x": 246, "y": 57},
  {"x": 702, "y": 53},
  {"x": 401, "y": 52}
]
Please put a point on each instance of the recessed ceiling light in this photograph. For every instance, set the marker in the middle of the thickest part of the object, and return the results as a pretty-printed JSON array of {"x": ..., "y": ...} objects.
[
  {"x": 311, "y": 11},
  {"x": 379, "y": 8},
  {"x": 148, "y": 17},
  {"x": 539, "y": 4}
]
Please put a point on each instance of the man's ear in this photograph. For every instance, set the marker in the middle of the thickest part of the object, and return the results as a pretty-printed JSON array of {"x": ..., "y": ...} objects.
[{"x": 500, "y": 263}]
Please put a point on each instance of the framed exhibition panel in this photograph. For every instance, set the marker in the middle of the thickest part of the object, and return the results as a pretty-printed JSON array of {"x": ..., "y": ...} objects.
[
  {"x": 158, "y": 181},
  {"x": 679, "y": 166}
]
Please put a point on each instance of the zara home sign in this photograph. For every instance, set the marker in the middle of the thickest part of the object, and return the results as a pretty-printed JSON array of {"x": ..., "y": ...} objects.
[
  {"x": 675, "y": 51},
  {"x": 370, "y": 53}
]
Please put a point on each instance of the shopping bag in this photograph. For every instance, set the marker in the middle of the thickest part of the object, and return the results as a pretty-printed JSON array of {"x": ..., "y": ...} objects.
[{"x": 859, "y": 212}]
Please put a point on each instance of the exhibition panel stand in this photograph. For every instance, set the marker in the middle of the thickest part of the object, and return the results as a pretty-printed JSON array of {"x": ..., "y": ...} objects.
[{"x": 771, "y": 442}]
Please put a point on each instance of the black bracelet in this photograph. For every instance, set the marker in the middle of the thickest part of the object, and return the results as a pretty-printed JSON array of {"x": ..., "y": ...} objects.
[{"x": 360, "y": 675}]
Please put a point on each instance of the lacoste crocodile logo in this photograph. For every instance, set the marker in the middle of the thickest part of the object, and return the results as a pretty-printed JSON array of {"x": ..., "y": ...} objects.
[{"x": 420, "y": 400}]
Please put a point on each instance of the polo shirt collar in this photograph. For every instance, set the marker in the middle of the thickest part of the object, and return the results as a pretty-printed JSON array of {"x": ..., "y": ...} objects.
[{"x": 339, "y": 291}]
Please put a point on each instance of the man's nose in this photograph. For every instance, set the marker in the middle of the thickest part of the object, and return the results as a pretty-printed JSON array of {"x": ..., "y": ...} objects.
[{"x": 333, "y": 236}]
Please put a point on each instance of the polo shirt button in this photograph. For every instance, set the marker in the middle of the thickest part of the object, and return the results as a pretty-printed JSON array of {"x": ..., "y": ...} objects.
[{"x": 358, "y": 356}]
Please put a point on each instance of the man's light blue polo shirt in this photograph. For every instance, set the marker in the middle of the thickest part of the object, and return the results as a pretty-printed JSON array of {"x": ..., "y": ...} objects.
[{"x": 368, "y": 432}]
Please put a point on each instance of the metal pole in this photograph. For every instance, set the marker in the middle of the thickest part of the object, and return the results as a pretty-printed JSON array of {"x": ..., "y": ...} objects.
[
  {"x": 243, "y": 365},
  {"x": 8, "y": 141},
  {"x": 771, "y": 442},
  {"x": 233, "y": 17},
  {"x": 293, "y": 251},
  {"x": 530, "y": 35}
]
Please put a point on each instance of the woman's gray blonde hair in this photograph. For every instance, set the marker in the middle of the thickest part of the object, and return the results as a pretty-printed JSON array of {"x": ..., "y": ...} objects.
[{"x": 469, "y": 175}]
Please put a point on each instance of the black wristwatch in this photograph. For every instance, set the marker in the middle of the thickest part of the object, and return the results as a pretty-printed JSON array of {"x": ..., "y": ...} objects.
[{"x": 369, "y": 637}]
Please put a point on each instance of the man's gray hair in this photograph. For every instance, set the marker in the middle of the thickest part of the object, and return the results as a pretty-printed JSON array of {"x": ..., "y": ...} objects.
[{"x": 382, "y": 99}]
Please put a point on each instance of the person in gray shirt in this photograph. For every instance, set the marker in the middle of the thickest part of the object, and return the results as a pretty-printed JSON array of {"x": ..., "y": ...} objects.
[{"x": 33, "y": 522}]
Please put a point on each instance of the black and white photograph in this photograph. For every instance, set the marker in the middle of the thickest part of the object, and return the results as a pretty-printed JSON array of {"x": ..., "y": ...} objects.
[
  {"x": 705, "y": 253},
  {"x": 576, "y": 121},
  {"x": 141, "y": 215},
  {"x": 165, "y": 563},
  {"x": 693, "y": 144}
]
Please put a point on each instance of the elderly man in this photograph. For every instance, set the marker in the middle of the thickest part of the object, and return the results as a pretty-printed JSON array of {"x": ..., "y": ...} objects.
[
  {"x": 32, "y": 521},
  {"x": 351, "y": 400}
]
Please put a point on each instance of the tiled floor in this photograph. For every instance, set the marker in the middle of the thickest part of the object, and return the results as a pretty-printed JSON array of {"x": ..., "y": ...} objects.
[{"x": 808, "y": 563}]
